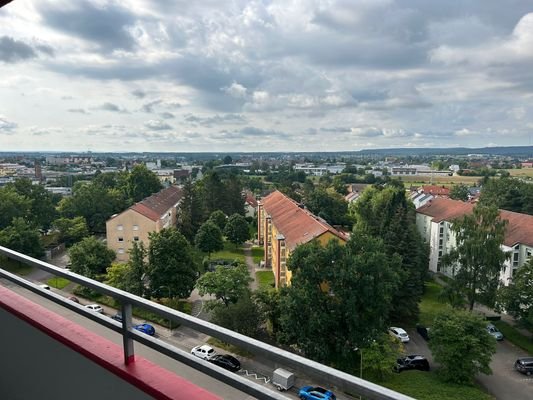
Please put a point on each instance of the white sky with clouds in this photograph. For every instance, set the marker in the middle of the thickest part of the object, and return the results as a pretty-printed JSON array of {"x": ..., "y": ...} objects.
[{"x": 288, "y": 75}]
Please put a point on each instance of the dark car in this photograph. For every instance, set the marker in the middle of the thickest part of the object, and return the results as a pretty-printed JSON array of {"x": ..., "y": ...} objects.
[
  {"x": 412, "y": 362},
  {"x": 227, "y": 362},
  {"x": 524, "y": 365},
  {"x": 117, "y": 317},
  {"x": 74, "y": 299},
  {"x": 145, "y": 328},
  {"x": 315, "y": 393},
  {"x": 423, "y": 331}
]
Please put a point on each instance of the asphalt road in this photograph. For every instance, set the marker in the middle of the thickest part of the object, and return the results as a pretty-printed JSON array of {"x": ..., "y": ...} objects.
[{"x": 504, "y": 384}]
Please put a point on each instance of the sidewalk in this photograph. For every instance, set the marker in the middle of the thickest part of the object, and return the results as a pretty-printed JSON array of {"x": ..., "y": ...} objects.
[{"x": 251, "y": 265}]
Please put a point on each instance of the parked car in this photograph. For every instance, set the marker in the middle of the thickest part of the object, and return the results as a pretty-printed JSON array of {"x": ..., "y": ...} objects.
[
  {"x": 74, "y": 299},
  {"x": 117, "y": 317},
  {"x": 226, "y": 361},
  {"x": 204, "y": 351},
  {"x": 315, "y": 393},
  {"x": 524, "y": 365},
  {"x": 494, "y": 332},
  {"x": 423, "y": 331},
  {"x": 399, "y": 333},
  {"x": 413, "y": 361},
  {"x": 145, "y": 328},
  {"x": 95, "y": 307},
  {"x": 46, "y": 287}
]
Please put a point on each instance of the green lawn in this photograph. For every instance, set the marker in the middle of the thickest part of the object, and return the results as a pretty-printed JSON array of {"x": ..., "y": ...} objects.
[
  {"x": 427, "y": 386},
  {"x": 230, "y": 253},
  {"x": 57, "y": 282},
  {"x": 265, "y": 279},
  {"x": 514, "y": 336},
  {"x": 15, "y": 267},
  {"x": 430, "y": 304},
  {"x": 229, "y": 347},
  {"x": 257, "y": 254}
]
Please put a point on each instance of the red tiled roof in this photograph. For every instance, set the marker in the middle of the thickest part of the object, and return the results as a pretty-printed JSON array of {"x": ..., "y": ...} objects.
[
  {"x": 519, "y": 228},
  {"x": 156, "y": 205},
  {"x": 436, "y": 190},
  {"x": 297, "y": 224},
  {"x": 251, "y": 201}
]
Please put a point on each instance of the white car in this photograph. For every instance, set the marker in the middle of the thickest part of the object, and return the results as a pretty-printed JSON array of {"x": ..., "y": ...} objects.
[
  {"x": 95, "y": 307},
  {"x": 204, "y": 351},
  {"x": 399, "y": 333},
  {"x": 46, "y": 287}
]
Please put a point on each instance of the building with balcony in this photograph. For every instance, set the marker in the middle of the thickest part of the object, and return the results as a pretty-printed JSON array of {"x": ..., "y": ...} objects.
[
  {"x": 434, "y": 221},
  {"x": 152, "y": 214},
  {"x": 283, "y": 224}
]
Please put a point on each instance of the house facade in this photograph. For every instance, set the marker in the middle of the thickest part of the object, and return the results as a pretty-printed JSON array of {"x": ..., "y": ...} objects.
[
  {"x": 434, "y": 221},
  {"x": 282, "y": 225},
  {"x": 152, "y": 214}
]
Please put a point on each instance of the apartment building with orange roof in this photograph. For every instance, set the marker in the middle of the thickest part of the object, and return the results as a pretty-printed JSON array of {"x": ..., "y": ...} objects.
[
  {"x": 434, "y": 221},
  {"x": 282, "y": 225},
  {"x": 152, "y": 214}
]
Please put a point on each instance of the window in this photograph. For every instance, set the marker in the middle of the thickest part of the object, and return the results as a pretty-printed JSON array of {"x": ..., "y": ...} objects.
[
  {"x": 135, "y": 227},
  {"x": 136, "y": 238},
  {"x": 121, "y": 251},
  {"x": 120, "y": 239},
  {"x": 120, "y": 227}
]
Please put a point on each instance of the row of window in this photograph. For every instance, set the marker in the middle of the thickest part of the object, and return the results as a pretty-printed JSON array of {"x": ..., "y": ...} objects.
[
  {"x": 121, "y": 227},
  {"x": 135, "y": 239}
]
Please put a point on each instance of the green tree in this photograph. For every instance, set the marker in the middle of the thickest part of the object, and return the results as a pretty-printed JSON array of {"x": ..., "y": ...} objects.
[
  {"x": 190, "y": 213},
  {"x": 90, "y": 257},
  {"x": 142, "y": 183},
  {"x": 209, "y": 238},
  {"x": 236, "y": 230},
  {"x": 227, "y": 160},
  {"x": 227, "y": 284},
  {"x": 12, "y": 205},
  {"x": 517, "y": 298},
  {"x": 269, "y": 307},
  {"x": 233, "y": 198},
  {"x": 384, "y": 212},
  {"x": 350, "y": 290},
  {"x": 129, "y": 276},
  {"x": 478, "y": 258},
  {"x": 117, "y": 275},
  {"x": 459, "y": 192},
  {"x": 330, "y": 206},
  {"x": 508, "y": 194},
  {"x": 241, "y": 316},
  {"x": 219, "y": 219},
  {"x": 171, "y": 263},
  {"x": 460, "y": 344},
  {"x": 42, "y": 208},
  {"x": 23, "y": 237},
  {"x": 71, "y": 230},
  {"x": 379, "y": 357},
  {"x": 213, "y": 193}
]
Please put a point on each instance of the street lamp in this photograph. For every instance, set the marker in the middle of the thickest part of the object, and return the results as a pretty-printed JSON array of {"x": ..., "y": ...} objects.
[{"x": 169, "y": 296}]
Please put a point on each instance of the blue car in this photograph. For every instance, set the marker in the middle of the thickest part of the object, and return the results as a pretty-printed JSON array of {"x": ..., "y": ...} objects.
[
  {"x": 145, "y": 328},
  {"x": 315, "y": 393}
]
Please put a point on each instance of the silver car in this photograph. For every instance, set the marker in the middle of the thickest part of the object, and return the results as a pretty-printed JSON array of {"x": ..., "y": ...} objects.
[{"x": 494, "y": 332}]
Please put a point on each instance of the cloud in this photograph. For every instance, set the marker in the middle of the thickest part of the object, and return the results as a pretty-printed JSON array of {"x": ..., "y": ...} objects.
[
  {"x": 112, "y": 107},
  {"x": 7, "y": 127},
  {"x": 215, "y": 120},
  {"x": 156, "y": 125},
  {"x": 12, "y": 50},
  {"x": 106, "y": 24},
  {"x": 167, "y": 115},
  {"x": 140, "y": 94},
  {"x": 149, "y": 107},
  {"x": 77, "y": 111}
]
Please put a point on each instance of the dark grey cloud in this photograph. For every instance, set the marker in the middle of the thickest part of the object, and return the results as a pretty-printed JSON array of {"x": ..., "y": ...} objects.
[
  {"x": 167, "y": 115},
  {"x": 215, "y": 120},
  {"x": 336, "y": 129},
  {"x": 149, "y": 107},
  {"x": 112, "y": 107},
  {"x": 7, "y": 127},
  {"x": 12, "y": 50},
  {"x": 156, "y": 125},
  {"x": 106, "y": 25},
  {"x": 77, "y": 111},
  {"x": 139, "y": 93}
]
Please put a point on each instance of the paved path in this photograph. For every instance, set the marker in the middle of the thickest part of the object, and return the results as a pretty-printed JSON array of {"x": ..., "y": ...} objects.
[{"x": 251, "y": 265}]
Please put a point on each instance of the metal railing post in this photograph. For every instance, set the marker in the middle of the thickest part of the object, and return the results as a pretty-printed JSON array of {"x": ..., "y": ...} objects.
[{"x": 127, "y": 340}]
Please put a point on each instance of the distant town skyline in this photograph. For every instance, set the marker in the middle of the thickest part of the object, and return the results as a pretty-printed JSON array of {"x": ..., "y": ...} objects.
[{"x": 217, "y": 76}]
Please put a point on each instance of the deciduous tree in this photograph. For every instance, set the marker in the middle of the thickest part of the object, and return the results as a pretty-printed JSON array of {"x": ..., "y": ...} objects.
[
  {"x": 241, "y": 316},
  {"x": 227, "y": 284},
  {"x": 219, "y": 219},
  {"x": 71, "y": 230},
  {"x": 12, "y": 205},
  {"x": 142, "y": 183},
  {"x": 461, "y": 345},
  {"x": 517, "y": 298},
  {"x": 42, "y": 208},
  {"x": 23, "y": 237},
  {"x": 171, "y": 263},
  {"x": 236, "y": 230},
  {"x": 209, "y": 238},
  {"x": 459, "y": 192},
  {"x": 90, "y": 257},
  {"x": 478, "y": 257}
]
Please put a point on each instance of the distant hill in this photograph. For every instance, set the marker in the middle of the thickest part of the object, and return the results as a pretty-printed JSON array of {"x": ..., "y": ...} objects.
[{"x": 518, "y": 151}]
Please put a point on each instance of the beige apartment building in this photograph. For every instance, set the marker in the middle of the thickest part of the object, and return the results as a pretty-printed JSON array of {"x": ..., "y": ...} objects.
[{"x": 152, "y": 214}]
